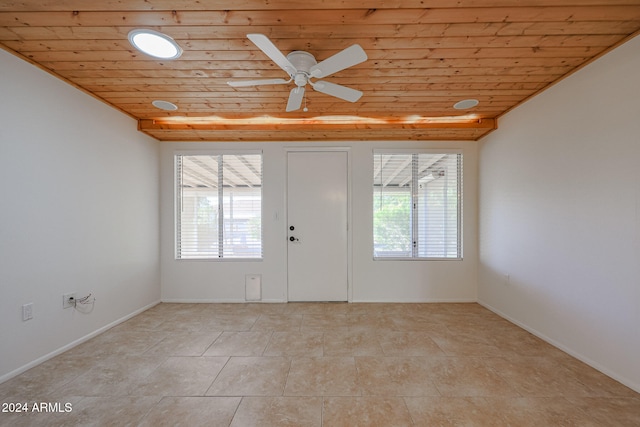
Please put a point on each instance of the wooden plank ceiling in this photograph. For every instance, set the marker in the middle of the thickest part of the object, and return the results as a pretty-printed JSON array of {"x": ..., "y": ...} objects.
[{"x": 423, "y": 57}]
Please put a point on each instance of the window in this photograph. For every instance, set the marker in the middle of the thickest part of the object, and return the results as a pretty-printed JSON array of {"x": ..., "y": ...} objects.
[
  {"x": 417, "y": 205},
  {"x": 219, "y": 206}
]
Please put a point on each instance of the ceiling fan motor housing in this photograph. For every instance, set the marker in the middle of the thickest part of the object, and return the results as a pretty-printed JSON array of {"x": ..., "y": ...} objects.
[
  {"x": 302, "y": 66},
  {"x": 303, "y": 61}
]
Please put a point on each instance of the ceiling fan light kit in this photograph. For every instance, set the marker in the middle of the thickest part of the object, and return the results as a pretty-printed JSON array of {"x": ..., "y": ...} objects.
[{"x": 302, "y": 67}]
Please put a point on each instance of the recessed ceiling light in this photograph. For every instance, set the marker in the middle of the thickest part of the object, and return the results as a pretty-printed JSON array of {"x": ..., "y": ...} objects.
[
  {"x": 164, "y": 105},
  {"x": 466, "y": 104},
  {"x": 155, "y": 44}
]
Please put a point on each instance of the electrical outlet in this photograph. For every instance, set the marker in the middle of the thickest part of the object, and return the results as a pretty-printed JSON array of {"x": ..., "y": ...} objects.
[
  {"x": 69, "y": 300},
  {"x": 27, "y": 311}
]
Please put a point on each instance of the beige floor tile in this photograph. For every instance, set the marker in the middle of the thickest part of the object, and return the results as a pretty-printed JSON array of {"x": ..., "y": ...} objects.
[
  {"x": 183, "y": 323},
  {"x": 149, "y": 320},
  {"x": 320, "y": 364},
  {"x": 468, "y": 376},
  {"x": 375, "y": 308},
  {"x": 407, "y": 323},
  {"x": 47, "y": 377},
  {"x": 251, "y": 376},
  {"x": 239, "y": 344},
  {"x": 279, "y": 412},
  {"x": 595, "y": 382},
  {"x": 365, "y": 411},
  {"x": 538, "y": 376},
  {"x": 317, "y": 308},
  {"x": 614, "y": 411},
  {"x": 324, "y": 322},
  {"x": 119, "y": 342},
  {"x": 261, "y": 308},
  {"x": 396, "y": 376},
  {"x": 409, "y": 344},
  {"x": 322, "y": 376},
  {"x": 371, "y": 322},
  {"x": 278, "y": 322},
  {"x": 192, "y": 411},
  {"x": 231, "y": 322},
  {"x": 295, "y": 344},
  {"x": 472, "y": 324},
  {"x": 511, "y": 340},
  {"x": 184, "y": 344},
  {"x": 496, "y": 412},
  {"x": 110, "y": 411},
  {"x": 466, "y": 345},
  {"x": 218, "y": 309},
  {"x": 449, "y": 412},
  {"x": 112, "y": 376},
  {"x": 351, "y": 343},
  {"x": 180, "y": 376}
]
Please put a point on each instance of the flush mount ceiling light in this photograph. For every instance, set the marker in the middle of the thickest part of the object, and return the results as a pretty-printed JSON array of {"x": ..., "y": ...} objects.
[
  {"x": 164, "y": 105},
  {"x": 155, "y": 44},
  {"x": 466, "y": 104}
]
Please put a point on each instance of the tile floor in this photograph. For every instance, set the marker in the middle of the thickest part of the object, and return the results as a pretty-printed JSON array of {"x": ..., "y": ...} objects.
[{"x": 308, "y": 364}]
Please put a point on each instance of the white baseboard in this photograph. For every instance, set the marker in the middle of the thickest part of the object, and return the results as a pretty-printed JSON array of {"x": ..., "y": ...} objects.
[
  {"x": 581, "y": 357},
  {"x": 72, "y": 344},
  {"x": 413, "y": 301},
  {"x": 216, "y": 301},
  {"x": 207, "y": 301},
  {"x": 232, "y": 300}
]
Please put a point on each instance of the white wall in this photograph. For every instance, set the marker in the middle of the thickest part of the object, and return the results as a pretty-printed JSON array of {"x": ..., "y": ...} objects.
[
  {"x": 409, "y": 281},
  {"x": 560, "y": 215},
  {"x": 79, "y": 213}
]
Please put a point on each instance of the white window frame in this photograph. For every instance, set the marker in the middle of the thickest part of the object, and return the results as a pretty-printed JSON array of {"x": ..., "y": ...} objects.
[
  {"x": 414, "y": 231},
  {"x": 177, "y": 199}
]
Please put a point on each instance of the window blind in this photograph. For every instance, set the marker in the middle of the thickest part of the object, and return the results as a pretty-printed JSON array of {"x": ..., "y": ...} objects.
[
  {"x": 218, "y": 206},
  {"x": 417, "y": 201}
]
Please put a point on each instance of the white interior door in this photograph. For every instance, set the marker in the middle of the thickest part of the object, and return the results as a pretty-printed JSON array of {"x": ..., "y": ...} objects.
[{"x": 317, "y": 211}]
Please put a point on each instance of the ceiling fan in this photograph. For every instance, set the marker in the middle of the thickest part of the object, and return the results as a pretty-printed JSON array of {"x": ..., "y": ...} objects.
[{"x": 302, "y": 67}]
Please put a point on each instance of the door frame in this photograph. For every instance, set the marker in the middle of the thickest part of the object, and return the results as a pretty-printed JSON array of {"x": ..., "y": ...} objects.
[{"x": 317, "y": 149}]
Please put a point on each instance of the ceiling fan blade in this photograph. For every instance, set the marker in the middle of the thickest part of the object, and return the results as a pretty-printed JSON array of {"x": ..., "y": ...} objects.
[
  {"x": 346, "y": 58},
  {"x": 265, "y": 45},
  {"x": 295, "y": 98},
  {"x": 338, "y": 91},
  {"x": 244, "y": 83}
]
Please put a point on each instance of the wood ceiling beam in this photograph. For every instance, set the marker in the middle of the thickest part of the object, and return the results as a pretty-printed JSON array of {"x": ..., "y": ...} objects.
[
  {"x": 444, "y": 134},
  {"x": 316, "y": 125}
]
